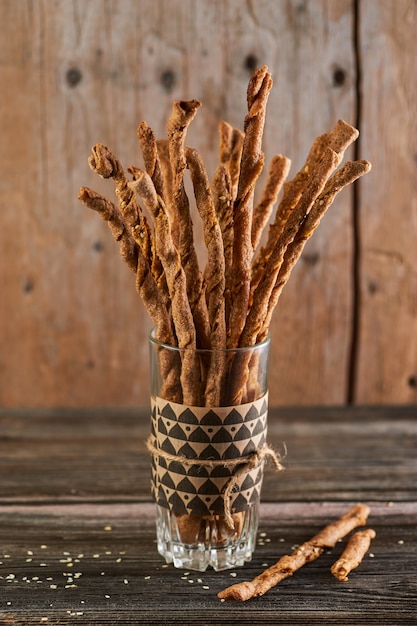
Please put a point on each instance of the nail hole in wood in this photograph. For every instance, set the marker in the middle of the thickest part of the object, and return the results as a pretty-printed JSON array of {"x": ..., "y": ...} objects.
[
  {"x": 98, "y": 246},
  {"x": 28, "y": 285},
  {"x": 311, "y": 259},
  {"x": 412, "y": 381},
  {"x": 339, "y": 77},
  {"x": 251, "y": 62},
  {"x": 74, "y": 76},
  {"x": 168, "y": 80}
]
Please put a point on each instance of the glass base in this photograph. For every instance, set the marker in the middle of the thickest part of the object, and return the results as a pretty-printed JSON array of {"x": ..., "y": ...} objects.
[{"x": 196, "y": 543}]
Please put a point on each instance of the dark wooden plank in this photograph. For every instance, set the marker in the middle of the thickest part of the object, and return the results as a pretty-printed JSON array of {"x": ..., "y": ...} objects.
[
  {"x": 97, "y": 455},
  {"x": 120, "y": 579}
]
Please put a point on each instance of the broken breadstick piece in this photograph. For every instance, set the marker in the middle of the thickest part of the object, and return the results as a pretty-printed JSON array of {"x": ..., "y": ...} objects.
[
  {"x": 307, "y": 552},
  {"x": 357, "y": 547}
]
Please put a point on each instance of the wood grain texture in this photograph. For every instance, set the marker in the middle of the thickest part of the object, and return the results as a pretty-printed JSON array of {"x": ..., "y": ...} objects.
[
  {"x": 388, "y": 211},
  {"x": 78, "y": 537},
  {"x": 73, "y": 331}
]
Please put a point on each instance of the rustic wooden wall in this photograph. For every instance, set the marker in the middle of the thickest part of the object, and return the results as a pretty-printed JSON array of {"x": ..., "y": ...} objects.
[{"x": 74, "y": 72}]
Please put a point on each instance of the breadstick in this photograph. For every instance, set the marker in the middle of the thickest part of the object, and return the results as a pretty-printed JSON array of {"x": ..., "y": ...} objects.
[
  {"x": 176, "y": 280},
  {"x": 223, "y": 202},
  {"x": 339, "y": 138},
  {"x": 182, "y": 114},
  {"x": 278, "y": 171},
  {"x": 250, "y": 167},
  {"x": 307, "y": 552},
  {"x": 231, "y": 145},
  {"x": 347, "y": 174},
  {"x": 357, "y": 547},
  {"x": 151, "y": 158},
  {"x": 215, "y": 275},
  {"x": 145, "y": 285},
  {"x": 106, "y": 165},
  {"x": 166, "y": 170},
  {"x": 118, "y": 227}
]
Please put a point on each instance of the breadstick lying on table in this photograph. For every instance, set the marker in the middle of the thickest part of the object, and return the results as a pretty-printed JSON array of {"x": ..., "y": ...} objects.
[
  {"x": 307, "y": 552},
  {"x": 357, "y": 547}
]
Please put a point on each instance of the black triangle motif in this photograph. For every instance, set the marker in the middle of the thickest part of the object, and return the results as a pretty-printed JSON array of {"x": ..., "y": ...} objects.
[
  {"x": 188, "y": 417},
  {"x": 211, "y": 419},
  {"x": 242, "y": 433},
  {"x": 168, "y": 412},
  {"x": 247, "y": 483},
  {"x": 167, "y": 481},
  {"x": 199, "y": 471},
  {"x": 208, "y": 488},
  {"x": 177, "y": 504},
  {"x": 167, "y": 446},
  {"x": 252, "y": 414},
  {"x": 176, "y": 467},
  {"x": 234, "y": 417},
  {"x": 232, "y": 452},
  {"x": 199, "y": 436},
  {"x": 259, "y": 427},
  {"x": 209, "y": 453},
  {"x": 196, "y": 506},
  {"x": 239, "y": 504},
  {"x": 187, "y": 451},
  {"x": 222, "y": 436},
  {"x": 186, "y": 485},
  {"x": 161, "y": 427},
  {"x": 177, "y": 433}
]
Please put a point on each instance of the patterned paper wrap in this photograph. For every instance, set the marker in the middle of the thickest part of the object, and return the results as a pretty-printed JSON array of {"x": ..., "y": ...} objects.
[{"x": 206, "y": 434}]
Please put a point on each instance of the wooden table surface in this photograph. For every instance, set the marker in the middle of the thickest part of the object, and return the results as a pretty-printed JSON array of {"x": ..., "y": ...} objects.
[{"x": 77, "y": 538}]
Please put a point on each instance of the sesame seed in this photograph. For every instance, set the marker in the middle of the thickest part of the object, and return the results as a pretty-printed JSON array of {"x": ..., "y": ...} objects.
[
  {"x": 53, "y": 586},
  {"x": 107, "y": 596},
  {"x": 96, "y": 556},
  {"x": 30, "y": 552},
  {"x": 43, "y": 547},
  {"x": 371, "y": 555},
  {"x": 146, "y": 577},
  {"x": 107, "y": 528},
  {"x": 126, "y": 582},
  {"x": 400, "y": 541},
  {"x": 233, "y": 574},
  {"x": 206, "y": 587}
]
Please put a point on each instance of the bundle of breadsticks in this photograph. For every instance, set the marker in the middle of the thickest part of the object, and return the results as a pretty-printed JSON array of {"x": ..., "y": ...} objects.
[
  {"x": 229, "y": 303},
  {"x": 351, "y": 557}
]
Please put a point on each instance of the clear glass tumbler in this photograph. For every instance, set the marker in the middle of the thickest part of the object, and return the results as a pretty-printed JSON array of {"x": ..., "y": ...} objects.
[{"x": 209, "y": 422}]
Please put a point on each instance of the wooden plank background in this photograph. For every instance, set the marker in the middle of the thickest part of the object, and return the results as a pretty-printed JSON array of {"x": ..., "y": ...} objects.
[{"x": 73, "y": 331}]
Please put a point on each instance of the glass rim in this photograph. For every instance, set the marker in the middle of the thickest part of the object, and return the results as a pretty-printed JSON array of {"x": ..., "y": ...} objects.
[{"x": 239, "y": 350}]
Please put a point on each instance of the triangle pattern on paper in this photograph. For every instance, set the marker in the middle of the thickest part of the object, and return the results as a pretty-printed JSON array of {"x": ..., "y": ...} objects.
[{"x": 198, "y": 434}]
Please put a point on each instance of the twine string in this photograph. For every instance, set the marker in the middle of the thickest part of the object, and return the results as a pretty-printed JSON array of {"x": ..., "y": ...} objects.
[{"x": 250, "y": 462}]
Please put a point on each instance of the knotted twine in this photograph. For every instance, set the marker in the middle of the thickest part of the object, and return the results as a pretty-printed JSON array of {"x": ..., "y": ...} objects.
[{"x": 250, "y": 462}]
